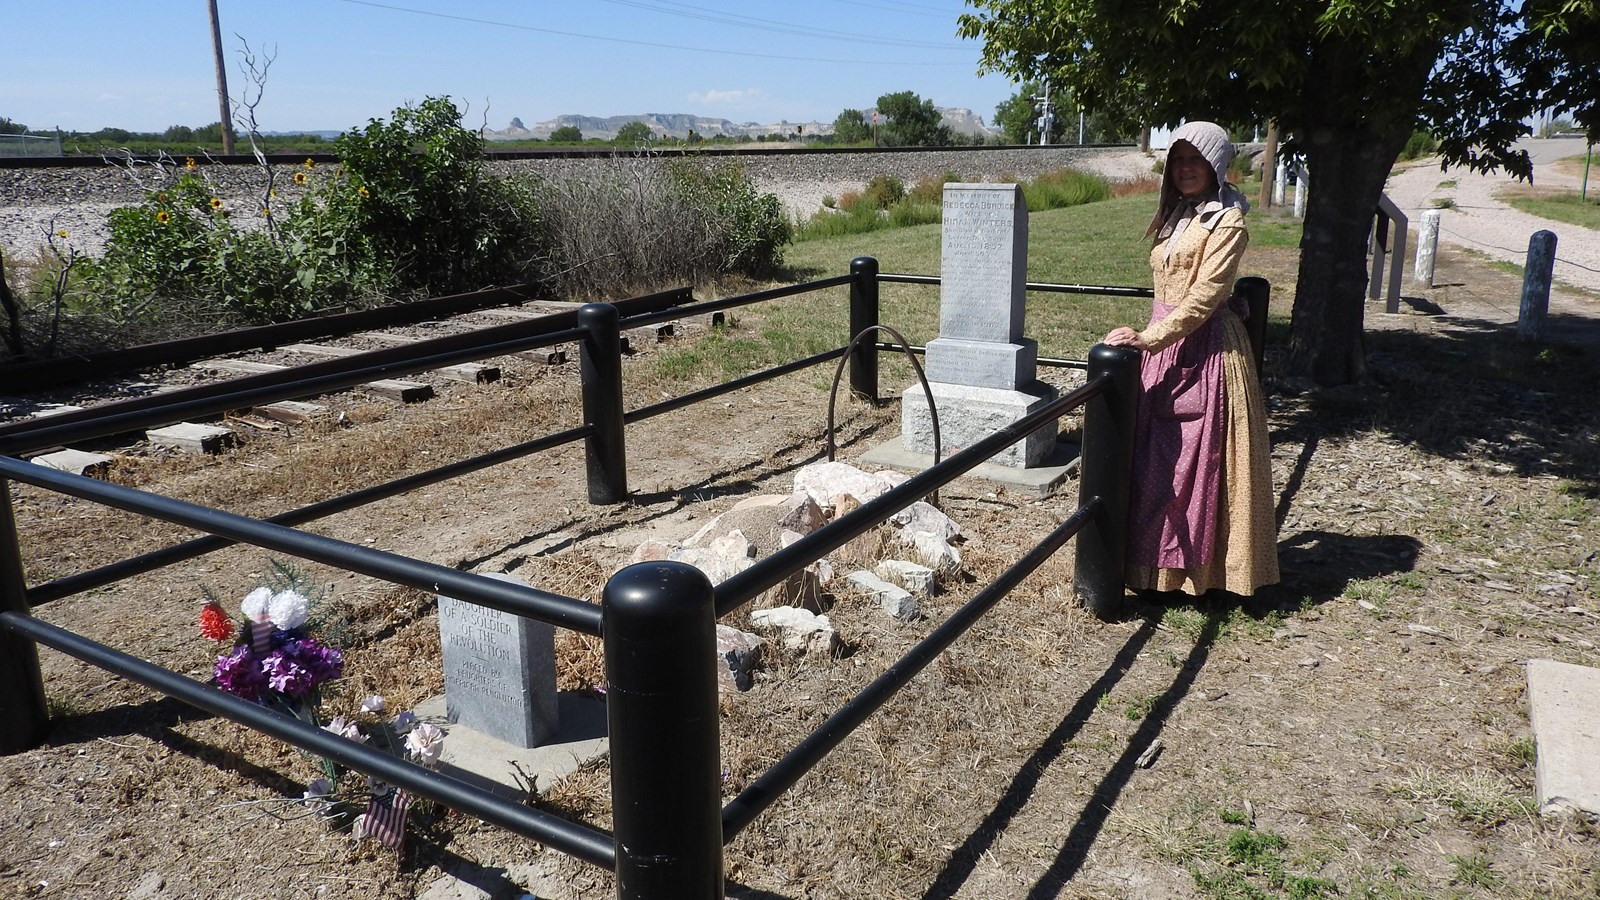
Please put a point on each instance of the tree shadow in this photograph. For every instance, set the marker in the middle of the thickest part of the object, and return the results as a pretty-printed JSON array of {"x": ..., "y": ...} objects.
[{"x": 1474, "y": 393}]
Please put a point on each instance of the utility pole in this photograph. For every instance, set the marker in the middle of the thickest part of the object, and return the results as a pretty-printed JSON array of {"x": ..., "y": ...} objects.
[{"x": 222, "y": 81}]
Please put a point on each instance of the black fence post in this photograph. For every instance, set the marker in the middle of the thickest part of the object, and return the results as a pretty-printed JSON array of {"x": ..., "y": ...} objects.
[
  {"x": 1108, "y": 420},
  {"x": 1256, "y": 291},
  {"x": 864, "y": 315},
  {"x": 22, "y": 705},
  {"x": 606, "y": 450},
  {"x": 659, "y": 621}
]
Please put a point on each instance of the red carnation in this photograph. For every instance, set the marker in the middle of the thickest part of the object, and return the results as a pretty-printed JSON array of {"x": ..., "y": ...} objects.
[{"x": 214, "y": 622}]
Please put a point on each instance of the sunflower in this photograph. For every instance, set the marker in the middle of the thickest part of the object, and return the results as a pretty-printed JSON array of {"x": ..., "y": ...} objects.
[
  {"x": 188, "y": 163},
  {"x": 300, "y": 178},
  {"x": 216, "y": 202},
  {"x": 61, "y": 233},
  {"x": 163, "y": 217},
  {"x": 309, "y": 164},
  {"x": 363, "y": 192}
]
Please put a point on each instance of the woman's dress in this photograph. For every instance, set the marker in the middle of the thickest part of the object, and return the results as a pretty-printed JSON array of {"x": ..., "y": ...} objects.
[{"x": 1201, "y": 516}]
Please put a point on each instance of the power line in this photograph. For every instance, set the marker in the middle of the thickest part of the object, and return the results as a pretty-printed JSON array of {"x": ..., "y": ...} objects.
[
  {"x": 665, "y": 46},
  {"x": 689, "y": 11}
]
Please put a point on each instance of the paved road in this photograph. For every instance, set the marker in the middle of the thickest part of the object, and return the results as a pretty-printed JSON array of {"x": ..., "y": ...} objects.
[{"x": 1480, "y": 221}]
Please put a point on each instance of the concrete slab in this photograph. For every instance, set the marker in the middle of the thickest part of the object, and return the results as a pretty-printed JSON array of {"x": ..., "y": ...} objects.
[
  {"x": 192, "y": 437},
  {"x": 1564, "y": 709},
  {"x": 505, "y": 769},
  {"x": 1037, "y": 481},
  {"x": 78, "y": 462},
  {"x": 292, "y": 412},
  {"x": 404, "y": 391}
]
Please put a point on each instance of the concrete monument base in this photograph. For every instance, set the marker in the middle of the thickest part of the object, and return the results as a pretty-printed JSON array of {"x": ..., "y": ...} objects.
[
  {"x": 506, "y": 769},
  {"x": 969, "y": 414},
  {"x": 1042, "y": 480}
]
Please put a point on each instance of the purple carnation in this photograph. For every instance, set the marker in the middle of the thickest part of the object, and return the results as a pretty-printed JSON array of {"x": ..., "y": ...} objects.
[
  {"x": 239, "y": 673},
  {"x": 303, "y": 665}
]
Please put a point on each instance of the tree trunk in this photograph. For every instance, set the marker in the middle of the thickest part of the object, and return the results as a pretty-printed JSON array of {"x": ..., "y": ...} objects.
[
  {"x": 13, "y": 327},
  {"x": 1347, "y": 172}
]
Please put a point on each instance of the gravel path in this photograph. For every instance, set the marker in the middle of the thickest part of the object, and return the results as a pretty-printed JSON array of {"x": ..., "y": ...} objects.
[{"x": 1479, "y": 220}]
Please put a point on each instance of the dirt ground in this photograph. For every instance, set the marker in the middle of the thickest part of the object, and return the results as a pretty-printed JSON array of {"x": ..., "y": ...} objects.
[{"x": 1358, "y": 731}]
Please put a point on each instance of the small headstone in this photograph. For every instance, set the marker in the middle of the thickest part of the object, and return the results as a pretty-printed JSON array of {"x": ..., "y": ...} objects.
[{"x": 499, "y": 671}]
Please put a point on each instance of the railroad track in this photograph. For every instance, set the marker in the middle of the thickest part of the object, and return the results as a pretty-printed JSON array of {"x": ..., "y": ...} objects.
[{"x": 40, "y": 399}]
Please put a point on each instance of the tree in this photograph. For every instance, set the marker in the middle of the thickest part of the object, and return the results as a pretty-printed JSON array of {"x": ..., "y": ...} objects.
[
  {"x": 910, "y": 121},
  {"x": 851, "y": 127},
  {"x": 634, "y": 133},
  {"x": 9, "y": 127},
  {"x": 1349, "y": 80},
  {"x": 566, "y": 134},
  {"x": 1018, "y": 117}
]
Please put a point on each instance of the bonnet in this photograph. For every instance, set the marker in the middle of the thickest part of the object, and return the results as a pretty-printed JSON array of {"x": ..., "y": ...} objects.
[{"x": 1213, "y": 144}]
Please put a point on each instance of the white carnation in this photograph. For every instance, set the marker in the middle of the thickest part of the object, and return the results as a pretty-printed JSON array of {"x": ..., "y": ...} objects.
[
  {"x": 255, "y": 604},
  {"x": 288, "y": 609},
  {"x": 425, "y": 742}
]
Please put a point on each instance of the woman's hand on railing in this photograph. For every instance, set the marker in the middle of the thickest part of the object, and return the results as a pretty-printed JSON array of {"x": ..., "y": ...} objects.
[{"x": 1127, "y": 337}]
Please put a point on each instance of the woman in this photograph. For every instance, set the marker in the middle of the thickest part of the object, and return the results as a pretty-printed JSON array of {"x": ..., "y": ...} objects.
[{"x": 1201, "y": 515}]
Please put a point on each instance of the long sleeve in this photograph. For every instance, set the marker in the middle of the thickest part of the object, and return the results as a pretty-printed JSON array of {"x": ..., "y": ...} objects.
[{"x": 1197, "y": 277}]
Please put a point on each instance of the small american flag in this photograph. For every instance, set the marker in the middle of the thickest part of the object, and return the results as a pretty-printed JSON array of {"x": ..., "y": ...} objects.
[
  {"x": 385, "y": 818},
  {"x": 261, "y": 637}
]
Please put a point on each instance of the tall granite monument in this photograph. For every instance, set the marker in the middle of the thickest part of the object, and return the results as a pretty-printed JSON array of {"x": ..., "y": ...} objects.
[{"x": 982, "y": 371}]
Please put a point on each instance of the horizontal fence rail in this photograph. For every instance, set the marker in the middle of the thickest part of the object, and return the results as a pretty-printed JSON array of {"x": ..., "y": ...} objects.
[
  {"x": 657, "y": 619},
  {"x": 581, "y": 841},
  {"x": 767, "y": 788},
  {"x": 156, "y": 559},
  {"x": 742, "y": 587},
  {"x": 518, "y": 599},
  {"x": 1109, "y": 290}
]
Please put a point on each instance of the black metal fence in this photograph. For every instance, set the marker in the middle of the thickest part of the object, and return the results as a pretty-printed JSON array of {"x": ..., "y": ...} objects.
[{"x": 657, "y": 619}]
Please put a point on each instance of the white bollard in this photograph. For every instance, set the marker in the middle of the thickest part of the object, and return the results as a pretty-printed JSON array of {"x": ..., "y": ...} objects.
[
  {"x": 1280, "y": 183},
  {"x": 1302, "y": 185},
  {"x": 1427, "y": 245}
]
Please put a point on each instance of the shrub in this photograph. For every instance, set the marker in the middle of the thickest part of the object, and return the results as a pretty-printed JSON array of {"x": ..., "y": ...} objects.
[
  {"x": 178, "y": 254},
  {"x": 634, "y": 225},
  {"x": 883, "y": 191},
  {"x": 1065, "y": 187},
  {"x": 1420, "y": 144},
  {"x": 429, "y": 218},
  {"x": 931, "y": 189},
  {"x": 748, "y": 229}
]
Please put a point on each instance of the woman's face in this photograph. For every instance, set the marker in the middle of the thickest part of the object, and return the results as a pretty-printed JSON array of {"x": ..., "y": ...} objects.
[{"x": 1189, "y": 171}]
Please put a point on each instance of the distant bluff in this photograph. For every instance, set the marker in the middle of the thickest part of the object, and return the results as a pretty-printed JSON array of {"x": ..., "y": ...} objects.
[{"x": 678, "y": 125}]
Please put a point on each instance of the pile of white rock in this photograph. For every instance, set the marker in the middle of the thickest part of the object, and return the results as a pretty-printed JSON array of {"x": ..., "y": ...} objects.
[{"x": 895, "y": 565}]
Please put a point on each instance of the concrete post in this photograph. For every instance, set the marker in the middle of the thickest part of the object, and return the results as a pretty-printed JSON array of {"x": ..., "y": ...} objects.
[
  {"x": 1536, "y": 277},
  {"x": 1427, "y": 246}
]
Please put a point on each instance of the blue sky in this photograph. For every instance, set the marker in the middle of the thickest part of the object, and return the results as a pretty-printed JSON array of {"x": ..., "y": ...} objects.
[{"x": 87, "y": 64}]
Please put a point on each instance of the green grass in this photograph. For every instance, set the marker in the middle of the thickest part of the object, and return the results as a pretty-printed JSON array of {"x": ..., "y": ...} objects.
[
  {"x": 1564, "y": 207},
  {"x": 1095, "y": 243}
]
